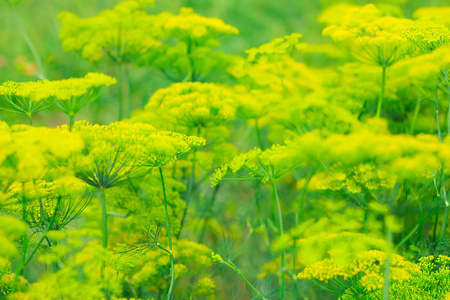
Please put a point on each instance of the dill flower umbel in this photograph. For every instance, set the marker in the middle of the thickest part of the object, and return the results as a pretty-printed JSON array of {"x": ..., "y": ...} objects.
[
  {"x": 276, "y": 49},
  {"x": 265, "y": 165},
  {"x": 191, "y": 57},
  {"x": 119, "y": 150},
  {"x": 36, "y": 153},
  {"x": 67, "y": 95},
  {"x": 197, "y": 30},
  {"x": 121, "y": 34},
  {"x": 194, "y": 105},
  {"x": 362, "y": 274},
  {"x": 369, "y": 37},
  {"x": 426, "y": 36},
  {"x": 435, "y": 14},
  {"x": 408, "y": 157}
]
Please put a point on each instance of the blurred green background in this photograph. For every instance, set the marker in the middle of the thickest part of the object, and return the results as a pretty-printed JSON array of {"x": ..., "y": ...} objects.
[{"x": 259, "y": 21}]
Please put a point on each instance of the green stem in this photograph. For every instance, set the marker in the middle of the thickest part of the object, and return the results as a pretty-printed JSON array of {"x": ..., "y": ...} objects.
[
  {"x": 437, "y": 107},
  {"x": 233, "y": 266},
  {"x": 448, "y": 94},
  {"x": 36, "y": 246},
  {"x": 71, "y": 121},
  {"x": 436, "y": 219},
  {"x": 387, "y": 269},
  {"x": 447, "y": 205},
  {"x": 280, "y": 225},
  {"x": 25, "y": 261},
  {"x": 444, "y": 223},
  {"x": 41, "y": 238},
  {"x": 406, "y": 238},
  {"x": 190, "y": 77},
  {"x": 30, "y": 120},
  {"x": 443, "y": 188},
  {"x": 172, "y": 269},
  {"x": 104, "y": 230},
  {"x": 125, "y": 90},
  {"x": 258, "y": 135},
  {"x": 190, "y": 187},
  {"x": 416, "y": 114},
  {"x": 120, "y": 86},
  {"x": 40, "y": 72},
  {"x": 383, "y": 83}
]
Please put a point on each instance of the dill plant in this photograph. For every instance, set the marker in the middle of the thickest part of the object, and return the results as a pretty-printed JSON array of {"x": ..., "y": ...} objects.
[
  {"x": 122, "y": 151},
  {"x": 200, "y": 109},
  {"x": 356, "y": 206},
  {"x": 114, "y": 35},
  {"x": 266, "y": 166},
  {"x": 34, "y": 154},
  {"x": 128, "y": 34},
  {"x": 369, "y": 36}
]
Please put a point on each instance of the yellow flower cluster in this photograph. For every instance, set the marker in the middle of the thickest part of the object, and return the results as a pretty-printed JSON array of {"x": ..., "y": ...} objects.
[
  {"x": 262, "y": 165},
  {"x": 67, "y": 95},
  {"x": 369, "y": 37},
  {"x": 205, "y": 288},
  {"x": 122, "y": 34},
  {"x": 7, "y": 280},
  {"x": 127, "y": 32},
  {"x": 188, "y": 256},
  {"x": 284, "y": 76},
  {"x": 425, "y": 67},
  {"x": 399, "y": 155},
  {"x": 356, "y": 180},
  {"x": 336, "y": 14},
  {"x": 117, "y": 150},
  {"x": 30, "y": 153},
  {"x": 293, "y": 117},
  {"x": 438, "y": 15},
  {"x": 65, "y": 89},
  {"x": 430, "y": 281},
  {"x": 276, "y": 49},
  {"x": 194, "y": 104},
  {"x": 197, "y": 30},
  {"x": 10, "y": 230},
  {"x": 64, "y": 198},
  {"x": 67, "y": 283},
  {"x": 364, "y": 268},
  {"x": 256, "y": 103},
  {"x": 427, "y": 36}
]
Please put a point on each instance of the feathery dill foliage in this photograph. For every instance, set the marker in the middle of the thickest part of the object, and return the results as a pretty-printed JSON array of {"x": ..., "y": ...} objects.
[{"x": 289, "y": 170}]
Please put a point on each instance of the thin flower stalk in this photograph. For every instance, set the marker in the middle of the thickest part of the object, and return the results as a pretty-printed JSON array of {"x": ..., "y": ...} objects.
[
  {"x": 169, "y": 236},
  {"x": 280, "y": 228}
]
